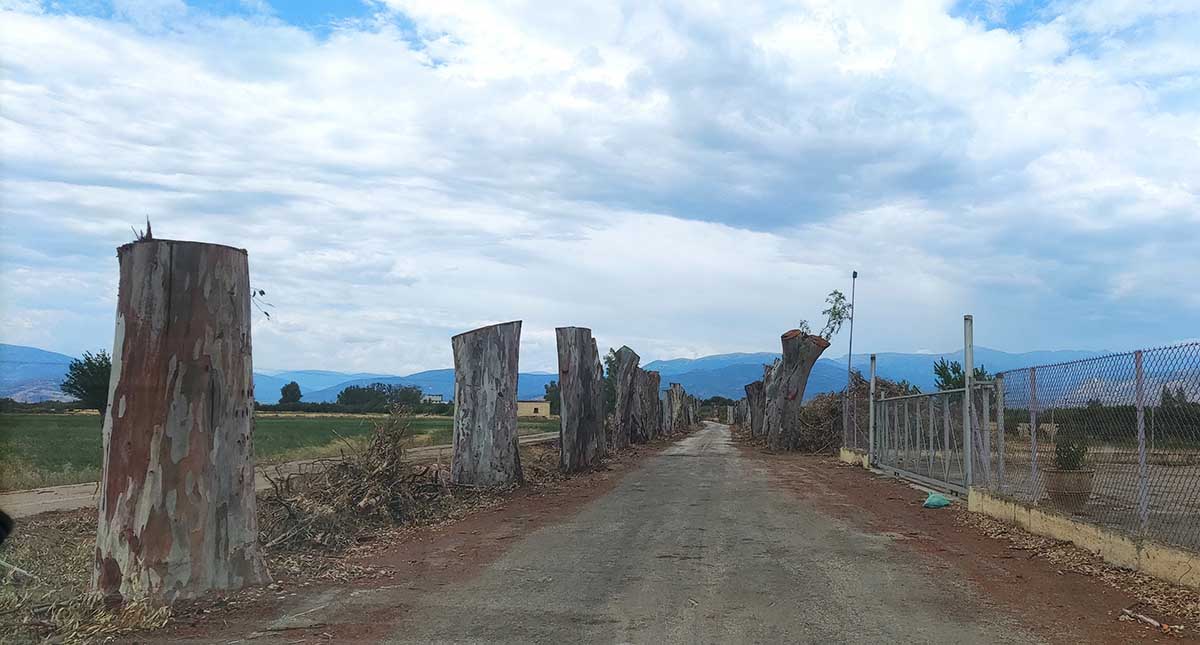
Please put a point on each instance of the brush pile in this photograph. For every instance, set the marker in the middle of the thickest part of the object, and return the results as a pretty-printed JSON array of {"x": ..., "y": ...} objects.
[{"x": 369, "y": 487}]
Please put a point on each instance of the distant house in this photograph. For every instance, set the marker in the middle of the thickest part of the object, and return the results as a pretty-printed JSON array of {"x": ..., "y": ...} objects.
[
  {"x": 533, "y": 409},
  {"x": 432, "y": 398}
]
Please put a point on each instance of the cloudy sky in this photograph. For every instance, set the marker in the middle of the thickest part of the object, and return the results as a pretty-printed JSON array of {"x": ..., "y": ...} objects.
[{"x": 683, "y": 177}]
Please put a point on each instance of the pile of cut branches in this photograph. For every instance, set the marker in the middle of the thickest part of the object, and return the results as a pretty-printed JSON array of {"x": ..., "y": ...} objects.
[{"x": 369, "y": 487}]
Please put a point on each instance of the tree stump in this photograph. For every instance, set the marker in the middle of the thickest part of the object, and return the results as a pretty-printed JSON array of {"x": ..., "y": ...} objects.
[
  {"x": 177, "y": 508},
  {"x": 625, "y": 417},
  {"x": 581, "y": 388},
  {"x": 649, "y": 407},
  {"x": 485, "y": 449},
  {"x": 756, "y": 402},
  {"x": 772, "y": 401},
  {"x": 800, "y": 353}
]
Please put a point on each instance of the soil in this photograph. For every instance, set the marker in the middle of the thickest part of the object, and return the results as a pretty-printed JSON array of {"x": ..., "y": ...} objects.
[{"x": 1063, "y": 606}]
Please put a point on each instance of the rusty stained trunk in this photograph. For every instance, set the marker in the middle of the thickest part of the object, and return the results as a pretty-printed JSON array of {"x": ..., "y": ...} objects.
[
  {"x": 581, "y": 406},
  {"x": 649, "y": 410},
  {"x": 177, "y": 508},
  {"x": 756, "y": 402},
  {"x": 485, "y": 451},
  {"x": 626, "y": 417},
  {"x": 800, "y": 353}
]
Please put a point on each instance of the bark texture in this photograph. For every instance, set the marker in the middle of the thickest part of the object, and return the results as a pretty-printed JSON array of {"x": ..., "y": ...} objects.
[
  {"x": 177, "y": 508},
  {"x": 771, "y": 399},
  {"x": 485, "y": 406},
  {"x": 679, "y": 410},
  {"x": 800, "y": 353},
  {"x": 626, "y": 417},
  {"x": 649, "y": 406},
  {"x": 581, "y": 388},
  {"x": 756, "y": 402}
]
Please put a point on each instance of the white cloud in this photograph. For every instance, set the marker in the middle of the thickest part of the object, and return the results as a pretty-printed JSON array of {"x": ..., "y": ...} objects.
[{"x": 685, "y": 178}]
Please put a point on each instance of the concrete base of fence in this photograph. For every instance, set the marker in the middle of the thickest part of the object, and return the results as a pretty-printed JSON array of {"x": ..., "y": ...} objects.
[
  {"x": 1167, "y": 563},
  {"x": 854, "y": 457}
]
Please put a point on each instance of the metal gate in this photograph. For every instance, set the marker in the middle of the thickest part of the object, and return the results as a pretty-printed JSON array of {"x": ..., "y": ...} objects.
[{"x": 921, "y": 437}]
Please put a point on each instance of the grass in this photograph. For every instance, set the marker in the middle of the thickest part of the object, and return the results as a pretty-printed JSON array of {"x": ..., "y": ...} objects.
[{"x": 39, "y": 450}]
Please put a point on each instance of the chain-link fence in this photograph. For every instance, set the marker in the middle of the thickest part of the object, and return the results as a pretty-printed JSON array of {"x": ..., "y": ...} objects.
[
  {"x": 855, "y": 420},
  {"x": 1113, "y": 441}
]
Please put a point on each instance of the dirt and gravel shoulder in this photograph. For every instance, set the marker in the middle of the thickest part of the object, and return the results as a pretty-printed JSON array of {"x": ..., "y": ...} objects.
[{"x": 1064, "y": 593}]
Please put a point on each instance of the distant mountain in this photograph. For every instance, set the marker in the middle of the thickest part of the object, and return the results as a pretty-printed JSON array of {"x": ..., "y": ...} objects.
[
  {"x": 29, "y": 374},
  {"x": 731, "y": 380},
  {"x": 317, "y": 379},
  {"x": 529, "y": 386},
  {"x": 707, "y": 363}
]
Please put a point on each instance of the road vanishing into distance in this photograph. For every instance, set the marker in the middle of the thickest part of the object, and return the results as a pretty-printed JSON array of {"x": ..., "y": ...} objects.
[{"x": 692, "y": 546}]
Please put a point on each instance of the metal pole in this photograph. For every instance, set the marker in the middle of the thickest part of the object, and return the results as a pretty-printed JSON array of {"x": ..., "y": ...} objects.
[
  {"x": 1033, "y": 432},
  {"x": 946, "y": 436},
  {"x": 932, "y": 450},
  {"x": 847, "y": 401},
  {"x": 1000, "y": 429},
  {"x": 1143, "y": 469},
  {"x": 968, "y": 377},
  {"x": 871, "y": 414}
]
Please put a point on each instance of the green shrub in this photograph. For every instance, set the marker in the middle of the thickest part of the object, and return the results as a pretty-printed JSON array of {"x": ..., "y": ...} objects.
[{"x": 1070, "y": 449}]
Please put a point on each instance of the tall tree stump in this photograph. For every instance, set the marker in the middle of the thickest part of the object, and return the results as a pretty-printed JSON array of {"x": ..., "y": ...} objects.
[
  {"x": 649, "y": 407},
  {"x": 756, "y": 402},
  {"x": 772, "y": 400},
  {"x": 625, "y": 417},
  {"x": 177, "y": 508},
  {"x": 581, "y": 406},
  {"x": 800, "y": 353},
  {"x": 485, "y": 449}
]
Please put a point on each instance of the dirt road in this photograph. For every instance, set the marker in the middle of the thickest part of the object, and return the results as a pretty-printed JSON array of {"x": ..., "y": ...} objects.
[{"x": 693, "y": 545}]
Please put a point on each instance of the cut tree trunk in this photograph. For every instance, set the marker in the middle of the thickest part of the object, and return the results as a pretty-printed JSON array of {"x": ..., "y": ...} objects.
[
  {"x": 177, "y": 508},
  {"x": 581, "y": 389},
  {"x": 625, "y": 417},
  {"x": 485, "y": 449},
  {"x": 649, "y": 406},
  {"x": 756, "y": 401},
  {"x": 800, "y": 353},
  {"x": 771, "y": 399}
]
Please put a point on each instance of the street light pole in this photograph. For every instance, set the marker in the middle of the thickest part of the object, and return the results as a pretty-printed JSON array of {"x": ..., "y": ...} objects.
[{"x": 847, "y": 401}]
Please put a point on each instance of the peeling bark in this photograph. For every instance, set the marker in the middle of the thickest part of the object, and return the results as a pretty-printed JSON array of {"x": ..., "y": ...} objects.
[
  {"x": 649, "y": 410},
  {"x": 581, "y": 409},
  {"x": 771, "y": 399},
  {"x": 626, "y": 417},
  {"x": 800, "y": 353},
  {"x": 177, "y": 507},
  {"x": 485, "y": 449},
  {"x": 756, "y": 402}
]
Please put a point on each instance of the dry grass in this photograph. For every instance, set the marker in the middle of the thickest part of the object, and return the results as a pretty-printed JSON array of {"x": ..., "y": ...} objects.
[
  {"x": 1155, "y": 596},
  {"x": 19, "y": 474}
]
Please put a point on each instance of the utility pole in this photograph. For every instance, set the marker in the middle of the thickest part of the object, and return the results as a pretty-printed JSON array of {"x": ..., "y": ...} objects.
[{"x": 847, "y": 401}]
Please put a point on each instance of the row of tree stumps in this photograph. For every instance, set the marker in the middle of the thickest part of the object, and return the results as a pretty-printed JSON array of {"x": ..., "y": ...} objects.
[
  {"x": 772, "y": 407},
  {"x": 177, "y": 509},
  {"x": 485, "y": 441}
]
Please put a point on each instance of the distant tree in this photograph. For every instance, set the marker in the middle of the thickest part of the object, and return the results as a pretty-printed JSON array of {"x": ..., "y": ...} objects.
[
  {"x": 907, "y": 388},
  {"x": 290, "y": 393},
  {"x": 553, "y": 396},
  {"x": 717, "y": 401},
  {"x": 378, "y": 397},
  {"x": 949, "y": 376},
  {"x": 87, "y": 380},
  {"x": 610, "y": 381}
]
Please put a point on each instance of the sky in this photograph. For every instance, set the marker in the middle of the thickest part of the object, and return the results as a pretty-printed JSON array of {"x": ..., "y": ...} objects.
[{"x": 686, "y": 178}]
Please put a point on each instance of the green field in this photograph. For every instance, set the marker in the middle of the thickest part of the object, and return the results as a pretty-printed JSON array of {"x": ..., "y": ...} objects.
[{"x": 51, "y": 449}]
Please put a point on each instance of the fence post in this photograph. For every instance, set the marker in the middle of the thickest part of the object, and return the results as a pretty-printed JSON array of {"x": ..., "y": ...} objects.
[
  {"x": 968, "y": 377},
  {"x": 946, "y": 436},
  {"x": 932, "y": 449},
  {"x": 1143, "y": 471},
  {"x": 1000, "y": 431},
  {"x": 871, "y": 415},
  {"x": 1033, "y": 431}
]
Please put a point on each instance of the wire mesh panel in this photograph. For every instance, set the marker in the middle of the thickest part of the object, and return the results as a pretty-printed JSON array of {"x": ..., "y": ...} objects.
[
  {"x": 1114, "y": 441},
  {"x": 855, "y": 420},
  {"x": 921, "y": 436}
]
